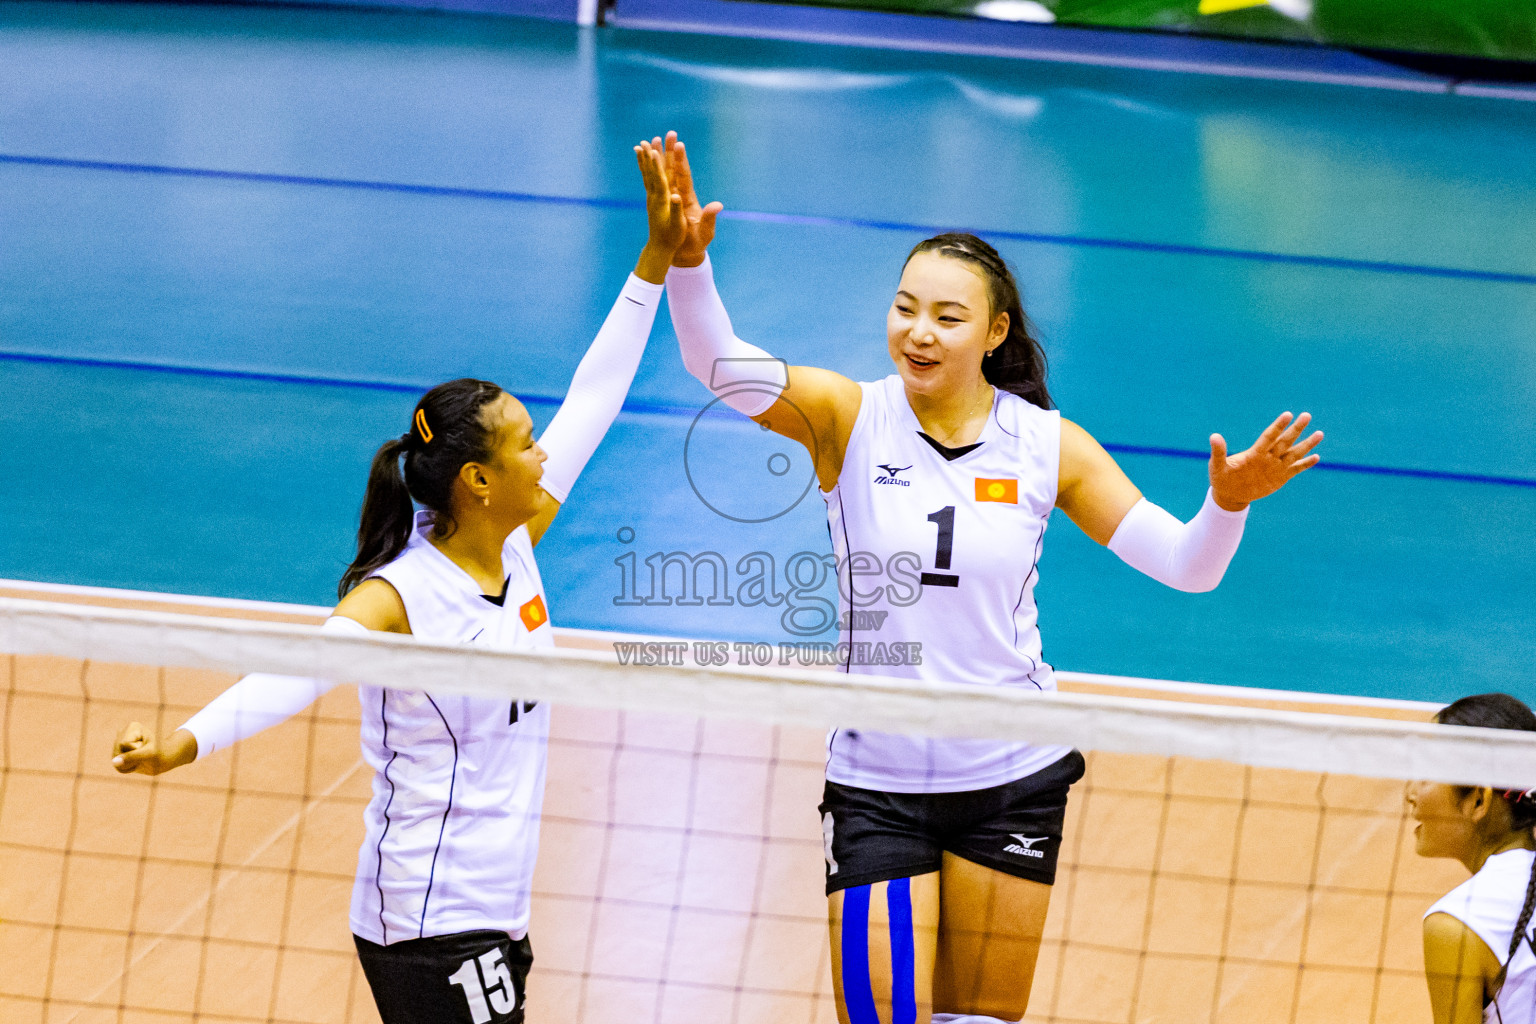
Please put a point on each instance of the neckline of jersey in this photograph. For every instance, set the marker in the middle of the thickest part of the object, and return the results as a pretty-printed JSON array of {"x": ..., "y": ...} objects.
[
  {"x": 950, "y": 454},
  {"x": 988, "y": 431},
  {"x": 423, "y": 521},
  {"x": 500, "y": 600}
]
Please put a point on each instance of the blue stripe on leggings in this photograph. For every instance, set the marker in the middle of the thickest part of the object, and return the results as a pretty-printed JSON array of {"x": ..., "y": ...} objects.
[
  {"x": 898, "y": 901},
  {"x": 857, "y": 995}
]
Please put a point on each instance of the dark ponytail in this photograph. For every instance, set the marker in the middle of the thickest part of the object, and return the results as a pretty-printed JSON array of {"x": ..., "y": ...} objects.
[
  {"x": 1501, "y": 711},
  {"x": 1018, "y": 364},
  {"x": 448, "y": 429}
]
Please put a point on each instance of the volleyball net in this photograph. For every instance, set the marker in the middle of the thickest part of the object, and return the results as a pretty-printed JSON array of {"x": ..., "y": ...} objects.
[{"x": 1229, "y": 856}]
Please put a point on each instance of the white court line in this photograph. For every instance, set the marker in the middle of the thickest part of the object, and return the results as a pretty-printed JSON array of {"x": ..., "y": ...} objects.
[
  {"x": 150, "y": 596},
  {"x": 1497, "y": 92}
]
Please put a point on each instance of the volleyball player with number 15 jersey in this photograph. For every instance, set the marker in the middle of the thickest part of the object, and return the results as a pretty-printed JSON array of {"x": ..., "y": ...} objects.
[
  {"x": 440, "y": 904},
  {"x": 941, "y": 852}
]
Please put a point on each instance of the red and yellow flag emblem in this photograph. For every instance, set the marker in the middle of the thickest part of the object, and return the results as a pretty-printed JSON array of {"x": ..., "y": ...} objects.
[
  {"x": 533, "y": 613},
  {"x": 1006, "y": 491}
]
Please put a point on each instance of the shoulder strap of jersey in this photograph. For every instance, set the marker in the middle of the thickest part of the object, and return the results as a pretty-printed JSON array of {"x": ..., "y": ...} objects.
[{"x": 874, "y": 408}]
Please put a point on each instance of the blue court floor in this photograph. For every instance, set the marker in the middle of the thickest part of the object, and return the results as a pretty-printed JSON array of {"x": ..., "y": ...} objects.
[{"x": 236, "y": 243}]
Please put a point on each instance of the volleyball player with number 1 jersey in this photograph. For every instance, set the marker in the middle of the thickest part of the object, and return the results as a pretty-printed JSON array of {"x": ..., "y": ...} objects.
[
  {"x": 441, "y": 901},
  {"x": 975, "y": 517},
  {"x": 940, "y": 852}
]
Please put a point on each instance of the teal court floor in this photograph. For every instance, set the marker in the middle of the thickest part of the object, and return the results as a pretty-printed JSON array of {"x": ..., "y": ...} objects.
[{"x": 236, "y": 244}]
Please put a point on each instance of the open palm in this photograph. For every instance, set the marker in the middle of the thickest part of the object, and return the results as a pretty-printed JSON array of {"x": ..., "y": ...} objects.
[
  {"x": 663, "y": 204},
  {"x": 1276, "y": 457}
]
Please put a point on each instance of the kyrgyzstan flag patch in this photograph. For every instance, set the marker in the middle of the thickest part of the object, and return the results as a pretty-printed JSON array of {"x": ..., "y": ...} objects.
[
  {"x": 1006, "y": 491},
  {"x": 533, "y": 613}
]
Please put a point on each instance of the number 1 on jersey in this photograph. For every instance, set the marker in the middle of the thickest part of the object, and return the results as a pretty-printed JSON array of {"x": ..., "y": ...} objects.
[{"x": 944, "y": 519}]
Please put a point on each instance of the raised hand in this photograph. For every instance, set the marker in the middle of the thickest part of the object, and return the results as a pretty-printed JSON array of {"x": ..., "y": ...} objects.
[
  {"x": 700, "y": 220},
  {"x": 1276, "y": 457},
  {"x": 663, "y": 211},
  {"x": 136, "y": 751}
]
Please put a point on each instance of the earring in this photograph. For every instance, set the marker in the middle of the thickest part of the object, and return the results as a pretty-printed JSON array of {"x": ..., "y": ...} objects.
[{"x": 485, "y": 500}]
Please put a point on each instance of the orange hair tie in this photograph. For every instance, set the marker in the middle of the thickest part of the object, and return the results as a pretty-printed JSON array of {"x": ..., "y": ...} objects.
[{"x": 421, "y": 426}]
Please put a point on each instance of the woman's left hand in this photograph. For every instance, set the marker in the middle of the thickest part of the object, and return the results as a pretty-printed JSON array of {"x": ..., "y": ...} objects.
[
  {"x": 663, "y": 211},
  {"x": 1276, "y": 457}
]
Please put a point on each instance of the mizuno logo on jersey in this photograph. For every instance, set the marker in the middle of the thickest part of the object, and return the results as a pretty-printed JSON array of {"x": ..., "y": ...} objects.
[
  {"x": 533, "y": 613},
  {"x": 890, "y": 477},
  {"x": 1025, "y": 847},
  {"x": 1006, "y": 491}
]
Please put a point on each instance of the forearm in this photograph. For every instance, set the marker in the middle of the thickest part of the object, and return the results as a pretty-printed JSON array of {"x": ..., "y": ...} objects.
[
  {"x": 255, "y": 703},
  {"x": 1190, "y": 556},
  {"x": 599, "y": 386},
  {"x": 747, "y": 378}
]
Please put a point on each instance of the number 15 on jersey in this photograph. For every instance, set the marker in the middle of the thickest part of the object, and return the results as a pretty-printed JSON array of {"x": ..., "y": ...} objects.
[{"x": 497, "y": 992}]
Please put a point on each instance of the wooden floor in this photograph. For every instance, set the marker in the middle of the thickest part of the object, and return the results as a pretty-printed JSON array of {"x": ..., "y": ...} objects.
[{"x": 679, "y": 876}]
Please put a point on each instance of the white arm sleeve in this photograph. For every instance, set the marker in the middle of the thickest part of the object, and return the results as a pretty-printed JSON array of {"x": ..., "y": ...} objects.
[
  {"x": 748, "y": 379},
  {"x": 1190, "y": 556},
  {"x": 259, "y": 701},
  {"x": 597, "y": 390}
]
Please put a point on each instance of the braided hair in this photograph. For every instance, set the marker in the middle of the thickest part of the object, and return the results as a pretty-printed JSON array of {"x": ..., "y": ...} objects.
[
  {"x": 1018, "y": 364},
  {"x": 1501, "y": 711},
  {"x": 448, "y": 429}
]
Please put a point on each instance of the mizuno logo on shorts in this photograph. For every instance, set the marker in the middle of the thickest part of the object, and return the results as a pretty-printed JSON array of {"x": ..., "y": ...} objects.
[{"x": 1025, "y": 846}]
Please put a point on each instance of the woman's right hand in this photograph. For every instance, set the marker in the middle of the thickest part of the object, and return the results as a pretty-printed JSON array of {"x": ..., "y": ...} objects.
[
  {"x": 138, "y": 752},
  {"x": 699, "y": 220}
]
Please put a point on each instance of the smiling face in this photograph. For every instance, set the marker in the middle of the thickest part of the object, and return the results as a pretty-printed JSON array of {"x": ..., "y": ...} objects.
[
  {"x": 510, "y": 477},
  {"x": 941, "y": 324}
]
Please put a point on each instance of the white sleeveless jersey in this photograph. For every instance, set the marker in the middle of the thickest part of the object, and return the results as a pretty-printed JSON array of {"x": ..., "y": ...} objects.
[
  {"x": 1489, "y": 903},
  {"x": 458, "y": 785},
  {"x": 942, "y": 554}
]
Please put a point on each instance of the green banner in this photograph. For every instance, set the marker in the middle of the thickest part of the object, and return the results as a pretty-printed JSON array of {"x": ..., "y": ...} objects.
[{"x": 1494, "y": 29}]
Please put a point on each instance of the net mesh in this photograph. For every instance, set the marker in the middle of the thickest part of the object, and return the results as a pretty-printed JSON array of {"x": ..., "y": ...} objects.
[{"x": 680, "y": 869}]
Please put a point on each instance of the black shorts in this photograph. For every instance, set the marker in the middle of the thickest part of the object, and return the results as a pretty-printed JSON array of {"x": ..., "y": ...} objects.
[
  {"x": 466, "y": 978},
  {"x": 1014, "y": 828}
]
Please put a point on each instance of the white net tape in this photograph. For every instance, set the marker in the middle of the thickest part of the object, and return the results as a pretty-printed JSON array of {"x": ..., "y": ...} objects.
[{"x": 1298, "y": 740}]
